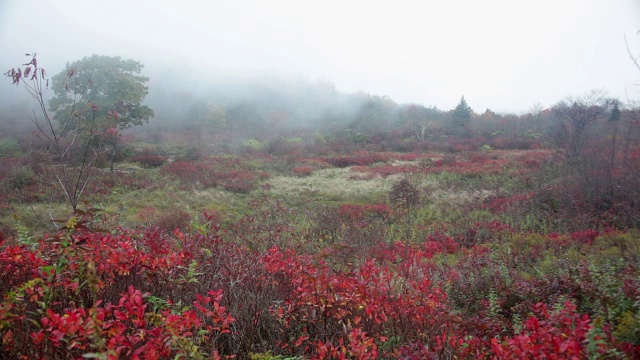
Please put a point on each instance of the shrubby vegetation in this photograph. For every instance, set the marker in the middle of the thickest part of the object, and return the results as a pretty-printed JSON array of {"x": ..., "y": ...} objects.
[{"x": 374, "y": 230}]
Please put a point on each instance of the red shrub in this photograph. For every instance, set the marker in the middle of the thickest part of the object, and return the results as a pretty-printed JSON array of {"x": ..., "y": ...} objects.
[
  {"x": 171, "y": 220},
  {"x": 241, "y": 182},
  {"x": 355, "y": 213},
  {"x": 230, "y": 173},
  {"x": 558, "y": 335},
  {"x": 302, "y": 170},
  {"x": 361, "y": 159},
  {"x": 365, "y": 298},
  {"x": 501, "y": 204},
  {"x": 585, "y": 237},
  {"x": 183, "y": 170},
  {"x": 127, "y": 330},
  {"x": 438, "y": 242},
  {"x": 408, "y": 157}
]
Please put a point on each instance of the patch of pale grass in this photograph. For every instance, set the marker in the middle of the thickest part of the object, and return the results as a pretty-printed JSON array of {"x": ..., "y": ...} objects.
[
  {"x": 129, "y": 204},
  {"x": 332, "y": 184},
  {"x": 126, "y": 167},
  {"x": 460, "y": 198},
  {"x": 403, "y": 163},
  {"x": 37, "y": 217}
]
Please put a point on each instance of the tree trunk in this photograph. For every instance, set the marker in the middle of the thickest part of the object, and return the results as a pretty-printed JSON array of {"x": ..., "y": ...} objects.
[{"x": 113, "y": 154}]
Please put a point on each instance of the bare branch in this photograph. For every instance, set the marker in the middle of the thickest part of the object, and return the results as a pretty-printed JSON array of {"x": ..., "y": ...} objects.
[
  {"x": 633, "y": 58},
  {"x": 70, "y": 138}
]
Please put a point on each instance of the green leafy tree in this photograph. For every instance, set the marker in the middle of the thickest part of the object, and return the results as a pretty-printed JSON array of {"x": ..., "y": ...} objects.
[{"x": 112, "y": 85}]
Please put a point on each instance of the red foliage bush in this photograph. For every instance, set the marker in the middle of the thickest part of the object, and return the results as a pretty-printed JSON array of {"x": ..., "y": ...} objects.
[
  {"x": 355, "y": 212},
  {"x": 139, "y": 294},
  {"x": 365, "y": 300},
  {"x": 499, "y": 205},
  {"x": 558, "y": 335},
  {"x": 361, "y": 159},
  {"x": 129, "y": 330},
  {"x": 408, "y": 157},
  {"x": 183, "y": 170},
  {"x": 230, "y": 173},
  {"x": 172, "y": 220},
  {"x": 361, "y": 226},
  {"x": 302, "y": 171},
  {"x": 439, "y": 243},
  {"x": 241, "y": 182}
]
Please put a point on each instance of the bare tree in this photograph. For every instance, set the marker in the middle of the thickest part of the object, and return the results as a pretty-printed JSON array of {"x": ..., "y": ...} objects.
[
  {"x": 419, "y": 119},
  {"x": 575, "y": 114},
  {"x": 73, "y": 140}
]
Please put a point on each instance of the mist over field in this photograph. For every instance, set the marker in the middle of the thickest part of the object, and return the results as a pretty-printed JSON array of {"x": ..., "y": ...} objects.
[{"x": 500, "y": 55}]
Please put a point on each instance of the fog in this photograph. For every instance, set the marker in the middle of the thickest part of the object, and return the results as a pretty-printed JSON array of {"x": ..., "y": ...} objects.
[{"x": 500, "y": 54}]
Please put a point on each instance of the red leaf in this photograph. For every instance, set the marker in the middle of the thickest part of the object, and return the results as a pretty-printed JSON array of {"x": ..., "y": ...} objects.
[{"x": 300, "y": 340}]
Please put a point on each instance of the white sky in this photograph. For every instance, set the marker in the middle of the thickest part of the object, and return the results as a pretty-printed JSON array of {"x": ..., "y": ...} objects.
[{"x": 501, "y": 54}]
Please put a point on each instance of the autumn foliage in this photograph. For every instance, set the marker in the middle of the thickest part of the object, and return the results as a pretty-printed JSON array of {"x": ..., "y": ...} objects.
[
  {"x": 199, "y": 293},
  {"x": 474, "y": 241}
]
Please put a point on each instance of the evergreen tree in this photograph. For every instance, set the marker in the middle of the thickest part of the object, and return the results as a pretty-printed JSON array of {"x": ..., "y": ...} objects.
[
  {"x": 614, "y": 115},
  {"x": 462, "y": 114}
]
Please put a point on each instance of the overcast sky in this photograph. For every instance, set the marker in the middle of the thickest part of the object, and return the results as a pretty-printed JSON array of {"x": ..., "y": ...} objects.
[{"x": 501, "y": 54}]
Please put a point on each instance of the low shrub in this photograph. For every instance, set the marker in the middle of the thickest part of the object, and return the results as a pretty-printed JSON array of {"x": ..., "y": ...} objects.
[
  {"x": 9, "y": 147},
  {"x": 148, "y": 160},
  {"x": 171, "y": 220},
  {"x": 404, "y": 194},
  {"x": 361, "y": 159},
  {"x": 302, "y": 171},
  {"x": 21, "y": 177},
  {"x": 232, "y": 174}
]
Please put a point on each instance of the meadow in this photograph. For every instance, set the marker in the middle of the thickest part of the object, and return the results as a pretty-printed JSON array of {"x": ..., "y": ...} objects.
[{"x": 322, "y": 250}]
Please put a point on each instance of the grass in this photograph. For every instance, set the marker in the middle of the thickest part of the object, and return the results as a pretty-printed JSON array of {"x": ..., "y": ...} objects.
[
  {"x": 144, "y": 195},
  {"x": 490, "y": 273},
  {"x": 148, "y": 193},
  {"x": 332, "y": 185}
]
